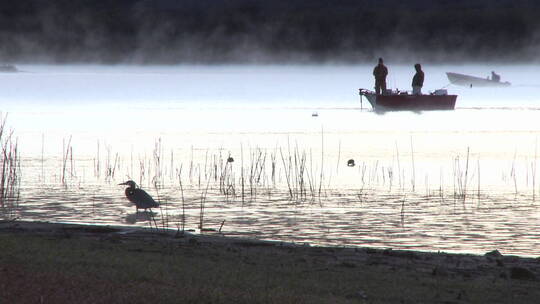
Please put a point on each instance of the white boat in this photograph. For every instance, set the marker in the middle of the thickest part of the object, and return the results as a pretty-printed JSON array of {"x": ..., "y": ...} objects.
[
  {"x": 473, "y": 81},
  {"x": 9, "y": 68}
]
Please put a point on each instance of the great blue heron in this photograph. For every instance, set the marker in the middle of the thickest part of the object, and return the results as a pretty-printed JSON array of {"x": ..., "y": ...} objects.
[{"x": 139, "y": 197}]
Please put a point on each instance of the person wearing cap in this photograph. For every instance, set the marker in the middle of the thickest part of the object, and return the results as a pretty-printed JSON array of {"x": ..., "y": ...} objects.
[
  {"x": 380, "y": 71},
  {"x": 495, "y": 77},
  {"x": 418, "y": 80}
]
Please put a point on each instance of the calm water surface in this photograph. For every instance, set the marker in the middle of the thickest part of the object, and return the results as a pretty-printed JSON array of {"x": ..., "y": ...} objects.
[{"x": 459, "y": 181}]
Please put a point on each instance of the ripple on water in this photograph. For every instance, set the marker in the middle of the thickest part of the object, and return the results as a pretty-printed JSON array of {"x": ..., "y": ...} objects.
[{"x": 379, "y": 218}]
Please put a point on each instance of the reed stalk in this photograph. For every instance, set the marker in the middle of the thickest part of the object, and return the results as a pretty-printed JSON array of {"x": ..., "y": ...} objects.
[
  {"x": 242, "y": 173},
  {"x": 478, "y": 166},
  {"x": 183, "y": 200},
  {"x": 441, "y": 184},
  {"x": 42, "y": 157},
  {"x": 9, "y": 173},
  {"x": 191, "y": 166},
  {"x": 513, "y": 173},
  {"x": 534, "y": 170},
  {"x": 466, "y": 176},
  {"x": 339, "y": 157},
  {"x": 287, "y": 174},
  {"x": 65, "y": 157},
  {"x": 413, "y": 178},
  {"x": 399, "y": 166},
  {"x": 322, "y": 161},
  {"x": 202, "y": 206}
]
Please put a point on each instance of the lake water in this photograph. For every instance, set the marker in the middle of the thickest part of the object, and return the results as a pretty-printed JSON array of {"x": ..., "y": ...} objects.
[{"x": 456, "y": 181}]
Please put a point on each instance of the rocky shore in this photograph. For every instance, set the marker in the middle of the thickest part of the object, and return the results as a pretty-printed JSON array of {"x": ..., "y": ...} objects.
[{"x": 38, "y": 259}]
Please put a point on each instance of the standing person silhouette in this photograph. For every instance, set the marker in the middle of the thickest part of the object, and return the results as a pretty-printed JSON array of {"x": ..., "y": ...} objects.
[
  {"x": 380, "y": 71},
  {"x": 495, "y": 77},
  {"x": 418, "y": 80}
]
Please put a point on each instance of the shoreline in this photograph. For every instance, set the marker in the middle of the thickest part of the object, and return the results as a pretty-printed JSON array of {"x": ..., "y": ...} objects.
[
  {"x": 208, "y": 235},
  {"x": 420, "y": 276}
]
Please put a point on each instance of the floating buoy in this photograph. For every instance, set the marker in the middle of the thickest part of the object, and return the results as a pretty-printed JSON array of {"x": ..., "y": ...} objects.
[
  {"x": 350, "y": 163},
  {"x": 315, "y": 114}
]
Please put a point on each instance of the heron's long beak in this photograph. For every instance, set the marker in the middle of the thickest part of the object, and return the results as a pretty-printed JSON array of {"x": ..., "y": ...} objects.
[{"x": 123, "y": 184}]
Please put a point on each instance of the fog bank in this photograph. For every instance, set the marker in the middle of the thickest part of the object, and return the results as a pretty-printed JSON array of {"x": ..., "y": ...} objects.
[{"x": 254, "y": 31}]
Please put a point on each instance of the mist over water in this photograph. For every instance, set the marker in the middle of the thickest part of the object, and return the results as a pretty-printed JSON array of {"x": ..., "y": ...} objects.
[
  {"x": 400, "y": 194},
  {"x": 247, "y": 31}
]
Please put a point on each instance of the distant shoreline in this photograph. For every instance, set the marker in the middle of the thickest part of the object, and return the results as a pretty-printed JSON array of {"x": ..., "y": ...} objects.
[{"x": 214, "y": 32}]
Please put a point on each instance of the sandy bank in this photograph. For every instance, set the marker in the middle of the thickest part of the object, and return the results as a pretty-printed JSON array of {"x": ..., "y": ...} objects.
[{"x": 213, "y": 268}]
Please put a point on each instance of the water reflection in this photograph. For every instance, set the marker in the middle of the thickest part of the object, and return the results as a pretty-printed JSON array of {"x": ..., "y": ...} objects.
[
  {"x": 140, "y": 217},
  {"x": 380, "y": 219}
]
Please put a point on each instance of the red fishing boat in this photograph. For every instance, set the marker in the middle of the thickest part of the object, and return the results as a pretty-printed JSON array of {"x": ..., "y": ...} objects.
[{"x": 403, "y": 101}]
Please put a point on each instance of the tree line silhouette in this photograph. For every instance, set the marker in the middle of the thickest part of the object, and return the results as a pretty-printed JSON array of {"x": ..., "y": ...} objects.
[{"x": 211, "y": 31}]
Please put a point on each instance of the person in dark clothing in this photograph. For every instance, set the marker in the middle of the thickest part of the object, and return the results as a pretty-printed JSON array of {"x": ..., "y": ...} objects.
[
  {"x": 418, "y": 80},
  {"x": 380, "y": 72},
  {"x": 495, "y": 77}
]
